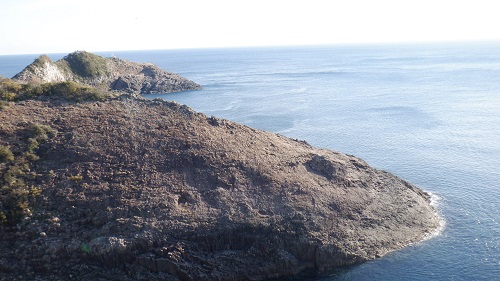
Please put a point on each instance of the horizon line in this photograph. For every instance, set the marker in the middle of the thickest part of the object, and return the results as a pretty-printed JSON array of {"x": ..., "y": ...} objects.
[{"x": 306, "y": 45}]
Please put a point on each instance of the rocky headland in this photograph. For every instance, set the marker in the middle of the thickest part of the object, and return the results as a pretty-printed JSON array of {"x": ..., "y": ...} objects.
[
  {"x": 107, "y": 187},
  {"x": 113, "y": 74}
]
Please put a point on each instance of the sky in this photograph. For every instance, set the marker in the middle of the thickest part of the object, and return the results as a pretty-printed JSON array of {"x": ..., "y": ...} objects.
[{"x": 63, "y": 26}]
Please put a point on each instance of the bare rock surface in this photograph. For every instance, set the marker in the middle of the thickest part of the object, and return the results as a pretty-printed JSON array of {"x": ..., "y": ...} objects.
[
  {"x": 113, "y": 74},
  {"x": 134, "y": 189}
]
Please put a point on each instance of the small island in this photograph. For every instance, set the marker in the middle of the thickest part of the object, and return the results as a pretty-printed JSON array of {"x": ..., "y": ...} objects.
[
  {"x": 101, "y": 185},
  {"x": 108, "y": 74}
]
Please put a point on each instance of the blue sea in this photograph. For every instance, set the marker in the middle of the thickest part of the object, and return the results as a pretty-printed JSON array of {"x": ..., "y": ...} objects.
[{"x": 429, "y": 113}]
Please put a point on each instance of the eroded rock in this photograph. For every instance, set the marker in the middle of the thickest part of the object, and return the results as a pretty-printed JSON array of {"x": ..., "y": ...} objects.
[{"x": 153, "y": 190}]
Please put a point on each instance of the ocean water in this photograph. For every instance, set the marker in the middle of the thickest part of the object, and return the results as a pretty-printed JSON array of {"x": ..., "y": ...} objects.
[{"x": 427, "y": 113}]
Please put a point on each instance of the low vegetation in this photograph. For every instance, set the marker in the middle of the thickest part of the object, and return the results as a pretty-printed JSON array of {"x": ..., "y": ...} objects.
[
  {"x": 40, "y": 62},
  {"x": 71, "y": 91},
  {"x": 5, "y": 154},
  {"x": 17, "y": 160},
  {"x": 16, "y": 192},
  {"x": 85, "y": 65}
]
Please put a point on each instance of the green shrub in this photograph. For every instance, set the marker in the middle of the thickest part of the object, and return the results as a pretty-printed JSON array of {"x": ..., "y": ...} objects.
[
  {"x": 32, "y": 144},
  {"x": 86, "y": 65},
  {"x": 8, "y": 85},
  {"x": 76, "y": 178},
  {"x": 35, "y": 191},
  {"x": 12, "y": 176},
  {"x": 30, "y": 156},
  {"x": 40, "y": 61},
  {"x": 16, "y": 196},
  {"x": 70, "y": 91},
  {"x": 73, "y": 92},
  {"x": 30, "y": 91},
  {"x": 41, "y": 133},
  {"x": 9, "y": 96},
  {"x": 6, "y": 154},
  {"x": 4, "y": 104}
]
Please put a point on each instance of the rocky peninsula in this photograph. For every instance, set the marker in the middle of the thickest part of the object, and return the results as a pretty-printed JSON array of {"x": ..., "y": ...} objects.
[
  {"x": 108, "y": 187},
  {"x": 109, "y": 74}
]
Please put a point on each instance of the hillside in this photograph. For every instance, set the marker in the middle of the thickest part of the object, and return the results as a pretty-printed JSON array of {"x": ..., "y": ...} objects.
[
  {"x": 133, "y": 189},
  {"x": 109, "y": 74}
]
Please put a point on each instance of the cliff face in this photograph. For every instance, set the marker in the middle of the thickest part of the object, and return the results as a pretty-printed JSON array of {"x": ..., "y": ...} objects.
[
  {"x": 128, "y": 188},
  {"x": 106, "y": 73}
]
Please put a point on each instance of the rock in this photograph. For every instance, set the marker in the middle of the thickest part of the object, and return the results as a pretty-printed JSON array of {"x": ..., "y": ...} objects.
[
  {"x": 322, "y": 166},
  {"x": 166, "y": 193},
  {"x": 107, "y": 245},
  {"x": 106, "y": 73}
]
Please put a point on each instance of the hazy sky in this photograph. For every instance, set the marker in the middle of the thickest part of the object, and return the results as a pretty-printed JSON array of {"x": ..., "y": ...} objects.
[{"x": 47, "y": 26}]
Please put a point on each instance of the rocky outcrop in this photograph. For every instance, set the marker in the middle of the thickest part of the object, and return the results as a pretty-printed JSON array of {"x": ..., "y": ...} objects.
[
  {"x": 106, "y": 73},
  {"x": 133, "y": 189}
]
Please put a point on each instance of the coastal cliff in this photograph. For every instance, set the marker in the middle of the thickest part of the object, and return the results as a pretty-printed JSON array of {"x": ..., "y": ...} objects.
[
  {"x": 113, "y": 74},
  {"x": 125, "y": 188}
]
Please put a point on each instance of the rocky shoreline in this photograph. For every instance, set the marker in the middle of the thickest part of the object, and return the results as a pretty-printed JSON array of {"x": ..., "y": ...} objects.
[{"x": 136, "y": 189}]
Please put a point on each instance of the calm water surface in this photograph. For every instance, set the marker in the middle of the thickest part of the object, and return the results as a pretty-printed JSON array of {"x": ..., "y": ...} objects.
[{"x": 428, "y": 113}]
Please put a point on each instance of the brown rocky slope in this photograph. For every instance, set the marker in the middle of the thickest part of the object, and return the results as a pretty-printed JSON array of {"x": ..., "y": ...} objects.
[
  {"x": 134, "y": 189},
  {"x": 110, "y": 74}
]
